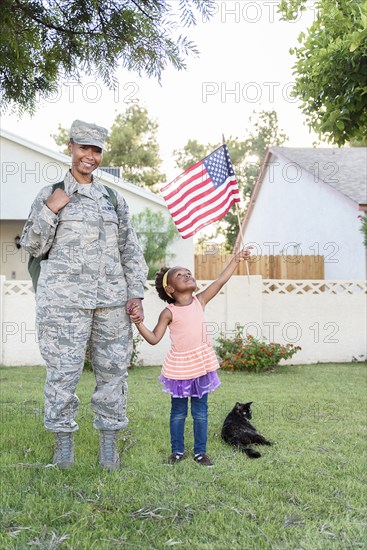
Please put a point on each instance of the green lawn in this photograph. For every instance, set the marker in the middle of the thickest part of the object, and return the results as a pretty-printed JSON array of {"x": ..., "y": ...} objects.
[{"x": 306, "y": 492}]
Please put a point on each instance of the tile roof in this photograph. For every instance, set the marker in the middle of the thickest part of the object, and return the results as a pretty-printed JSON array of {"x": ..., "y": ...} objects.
[{"x": 344, "y": 169}]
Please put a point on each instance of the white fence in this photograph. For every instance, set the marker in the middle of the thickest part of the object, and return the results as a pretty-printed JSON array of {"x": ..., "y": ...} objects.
[{"x": 326, "y": 318}]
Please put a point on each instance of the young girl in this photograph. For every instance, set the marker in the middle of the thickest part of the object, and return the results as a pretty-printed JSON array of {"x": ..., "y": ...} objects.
[{"x": 189, "y": 369}]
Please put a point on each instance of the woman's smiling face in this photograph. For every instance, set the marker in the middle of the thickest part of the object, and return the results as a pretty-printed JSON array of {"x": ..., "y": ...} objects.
[{"x": 85, "y": 159}]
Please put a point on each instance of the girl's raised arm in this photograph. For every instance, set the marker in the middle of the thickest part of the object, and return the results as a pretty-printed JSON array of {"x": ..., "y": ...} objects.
[
  {"x": 154, "y": 336},
  {"x": 212, "y": 290}
]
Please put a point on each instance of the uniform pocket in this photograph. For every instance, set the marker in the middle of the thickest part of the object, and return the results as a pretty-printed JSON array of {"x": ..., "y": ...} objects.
[
  {"x": 110, "y": 216},
  {"x": 54, "y": 267},
  {"x": 114, "y": 269},
  {"x": 110, "y": 224},
  {"x": 70, "y": 228},
  {"x": 71, "y": 212},
  {"x": 58, "y": 288}
]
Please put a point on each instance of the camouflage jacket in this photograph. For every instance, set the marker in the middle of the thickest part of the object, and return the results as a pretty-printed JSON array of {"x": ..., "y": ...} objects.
[{"x": 94, "y": 257}]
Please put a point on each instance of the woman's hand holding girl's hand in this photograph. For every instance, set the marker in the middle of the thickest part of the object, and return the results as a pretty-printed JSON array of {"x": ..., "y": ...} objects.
[
  {"x": 136, "y": 313},
  {"x": 243, "y": 254}
]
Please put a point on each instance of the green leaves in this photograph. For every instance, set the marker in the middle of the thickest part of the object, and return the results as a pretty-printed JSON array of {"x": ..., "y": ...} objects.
[
  {"x": 239, "y": 353},
  {"x": 44, "y": 41},
  {"x": 331, "y": 69},
  {"x": 357, "y": 39},
  {"x": 363, "y": 228},
  {"x": 132, "y": 145},
  {"x": 156, "y": 232}
]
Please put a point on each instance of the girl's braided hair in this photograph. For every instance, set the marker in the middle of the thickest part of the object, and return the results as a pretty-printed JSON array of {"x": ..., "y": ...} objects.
[{"x": 159, "y": 286}]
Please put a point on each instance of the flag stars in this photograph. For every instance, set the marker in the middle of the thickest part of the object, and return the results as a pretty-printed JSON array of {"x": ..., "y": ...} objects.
[
  {"x": 219, "y": 166},
  {"x": 203, "y": 194}
]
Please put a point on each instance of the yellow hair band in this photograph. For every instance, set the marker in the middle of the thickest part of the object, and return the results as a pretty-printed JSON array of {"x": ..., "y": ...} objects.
[{"x": 164, "y": 284}]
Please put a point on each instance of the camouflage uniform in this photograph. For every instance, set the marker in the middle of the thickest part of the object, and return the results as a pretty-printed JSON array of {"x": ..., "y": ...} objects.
[{"x": 95, "y": 265}]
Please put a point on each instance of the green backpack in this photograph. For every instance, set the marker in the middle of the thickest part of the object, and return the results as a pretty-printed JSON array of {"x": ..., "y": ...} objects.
[{"x": 34, "y": 263}]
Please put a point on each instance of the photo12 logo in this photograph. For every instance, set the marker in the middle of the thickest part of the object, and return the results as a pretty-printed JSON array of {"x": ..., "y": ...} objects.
[
  {"x": 291, "y": 332},
  {"x": 254, "y": 11},
  {"x": 92, "y": 92},
  {"x": 291, "y": 251},
  {"x": 248, "y": 92}
]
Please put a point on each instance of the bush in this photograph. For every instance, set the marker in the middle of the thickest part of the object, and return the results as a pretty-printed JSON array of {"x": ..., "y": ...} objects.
[
  {"x": 363, "y": 228},
  {"x": 249, "y": 354},
  {"x": 135, "y": 352}
]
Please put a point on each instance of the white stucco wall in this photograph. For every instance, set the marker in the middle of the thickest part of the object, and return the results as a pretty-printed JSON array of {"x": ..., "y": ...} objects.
[
  {"x": 14, "y": 261},
  {"x": 309, "y": 314},
  {"x": 292, "y": 207}
]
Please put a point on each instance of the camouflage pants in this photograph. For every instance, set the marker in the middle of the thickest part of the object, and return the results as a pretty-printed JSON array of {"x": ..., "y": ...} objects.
[{"x": 63, "y": 337}]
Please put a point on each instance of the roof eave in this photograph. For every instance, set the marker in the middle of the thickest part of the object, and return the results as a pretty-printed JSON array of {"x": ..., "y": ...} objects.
[
  {"x": 312, "y": 175},
  {"x": 64, "y": 159}
]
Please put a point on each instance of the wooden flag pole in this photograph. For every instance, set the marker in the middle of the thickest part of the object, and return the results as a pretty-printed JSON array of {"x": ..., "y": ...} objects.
[
  {"x": 240, "y": 228},
  {"x": 242, "y": 241}
]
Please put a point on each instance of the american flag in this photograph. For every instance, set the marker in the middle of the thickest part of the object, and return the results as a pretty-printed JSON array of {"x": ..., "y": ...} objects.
[{"x": 203, "y": 193}]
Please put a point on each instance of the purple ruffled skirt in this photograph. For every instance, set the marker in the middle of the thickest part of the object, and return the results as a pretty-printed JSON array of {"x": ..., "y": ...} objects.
[{"x": 195, "y": 387}]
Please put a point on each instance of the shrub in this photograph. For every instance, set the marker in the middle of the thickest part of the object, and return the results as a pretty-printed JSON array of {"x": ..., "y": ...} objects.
[
  {"x": 135, "y": 352},
  {"x": 363, "y": 228},
  {"x": 249, "y": 354}
]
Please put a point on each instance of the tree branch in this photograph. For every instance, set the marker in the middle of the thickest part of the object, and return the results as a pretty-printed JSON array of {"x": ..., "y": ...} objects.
[
  {"x": 31, "y": 15},
  {"x": 141, "y": 9}
]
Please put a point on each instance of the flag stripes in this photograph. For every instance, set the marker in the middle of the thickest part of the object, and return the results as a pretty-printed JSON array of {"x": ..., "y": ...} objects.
[{"x": 200, "y": 196}]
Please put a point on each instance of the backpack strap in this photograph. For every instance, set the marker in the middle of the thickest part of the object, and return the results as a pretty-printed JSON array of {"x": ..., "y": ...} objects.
[
  {"x": 112, "y": 196},
  {"x": 111, "y": 193},
  {"x": 59, "y": 185}
]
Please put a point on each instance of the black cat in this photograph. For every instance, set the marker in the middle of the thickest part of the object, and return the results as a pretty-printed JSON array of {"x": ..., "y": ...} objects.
[{"x": 238, "y": 431}]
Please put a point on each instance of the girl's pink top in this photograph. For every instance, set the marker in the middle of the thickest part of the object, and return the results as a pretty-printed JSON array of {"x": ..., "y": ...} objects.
[{"x": 191, "y": 354}]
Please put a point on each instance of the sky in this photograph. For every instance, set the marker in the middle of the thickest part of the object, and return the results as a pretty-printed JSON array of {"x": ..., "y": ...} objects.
[{"x": 244, "y": 66}]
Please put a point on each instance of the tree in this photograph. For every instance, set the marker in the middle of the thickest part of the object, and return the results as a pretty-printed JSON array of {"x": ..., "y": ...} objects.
[
  {"x": 191, "y": 153},
  {"x": 131, "y": 145},
  {"x": 45, "y": 41},
  {"x": 156, "y": 232},
  {"x": 331, "y": 68},
  {"x": 264, "y": 131},
  {"x": 363, "y": 227},
  {"x": 246, "y": 157},
  {"x": 62, "y": 139}
]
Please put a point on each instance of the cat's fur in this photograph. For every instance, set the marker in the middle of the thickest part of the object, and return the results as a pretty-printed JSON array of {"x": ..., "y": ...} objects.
[{"x": 238, "y": 431}]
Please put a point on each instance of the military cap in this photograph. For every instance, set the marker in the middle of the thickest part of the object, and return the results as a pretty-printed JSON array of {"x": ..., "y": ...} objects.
[{"x": 85, "y": 133}]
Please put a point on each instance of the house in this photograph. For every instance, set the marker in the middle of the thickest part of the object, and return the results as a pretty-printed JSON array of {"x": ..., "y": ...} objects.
[
  {"x": 25, "y": 168},
  {"x": 309, "y": 202}
]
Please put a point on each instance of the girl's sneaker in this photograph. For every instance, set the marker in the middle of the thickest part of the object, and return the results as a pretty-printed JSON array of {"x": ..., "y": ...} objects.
[
  {"x": 203, "y": 459},
  {"x": 175, "y": 457}
]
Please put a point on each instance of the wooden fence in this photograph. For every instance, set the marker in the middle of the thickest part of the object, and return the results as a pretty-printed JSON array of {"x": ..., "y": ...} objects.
[{"x": 208, "y": 266}]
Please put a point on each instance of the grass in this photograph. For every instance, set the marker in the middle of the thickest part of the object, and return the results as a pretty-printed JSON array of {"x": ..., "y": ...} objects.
[{"x": 305, "y": 492}]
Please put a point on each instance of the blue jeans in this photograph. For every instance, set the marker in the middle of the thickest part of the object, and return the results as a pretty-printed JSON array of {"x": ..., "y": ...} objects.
[{"x": 199, "y": 413}]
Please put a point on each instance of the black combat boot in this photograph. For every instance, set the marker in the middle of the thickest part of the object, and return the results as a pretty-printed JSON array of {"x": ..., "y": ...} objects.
[
  {"x": 108, "y": 454},
  {"x": 64, "y": 450}
]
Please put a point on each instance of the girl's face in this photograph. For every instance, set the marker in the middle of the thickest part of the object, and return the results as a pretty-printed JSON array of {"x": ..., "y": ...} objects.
[{"x": 181, "y": 279}]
